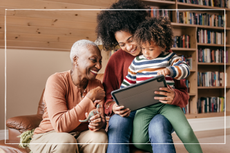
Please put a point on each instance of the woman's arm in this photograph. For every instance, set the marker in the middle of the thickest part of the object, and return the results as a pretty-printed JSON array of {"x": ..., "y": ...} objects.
[
  {"x": 115, "y": 72},
  {"x": 61, "y": 117},
  {"x": 181, "y": 94},
  {"x": 110, "y": 83}
]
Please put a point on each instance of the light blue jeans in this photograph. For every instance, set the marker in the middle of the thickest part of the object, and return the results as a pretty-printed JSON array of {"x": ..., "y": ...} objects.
[{"x": 120, "y": 131}]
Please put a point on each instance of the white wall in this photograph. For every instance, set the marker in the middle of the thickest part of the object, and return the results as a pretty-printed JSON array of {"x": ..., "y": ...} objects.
[{"x": 27, "y": 71}]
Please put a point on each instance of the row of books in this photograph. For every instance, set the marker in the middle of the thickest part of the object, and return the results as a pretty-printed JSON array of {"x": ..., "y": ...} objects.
[
  {"x": 210, "y": 104},
  {"x": 208, "y": 55},
  {"x": 216, "y": 3},
  {"x": 210, "y": 37},
  {"x": 186, "y": 109},
  {"x": 155, "y": 11},
  {"x": 187, "y": 83},
  {"x": 181, "y": 41},
  {"x": 211, "y": 79},
  {"x": 200, "y": 19}
]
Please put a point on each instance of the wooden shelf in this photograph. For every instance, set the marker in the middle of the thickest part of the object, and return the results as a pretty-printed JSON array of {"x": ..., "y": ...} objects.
[
  {"x": 174, "y": 24},
  {"x": 191, "y": 94},
  {"x": 219, "y": 87},
  {"x": 211, "y": 27},
  {"x": 192, "y": 71},
  {"x": 212, "y": 45},
  {"x": 184, "y": 49},
  {"x": 205, "y": 115},
  {"x": 186, "y": 5},
  {"x": 221, "y": 64},
  {"x": 159, "y": 3}
]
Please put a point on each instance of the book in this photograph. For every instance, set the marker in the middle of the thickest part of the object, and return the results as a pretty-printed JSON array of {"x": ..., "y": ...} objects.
[{"x": 210, "y": 104}]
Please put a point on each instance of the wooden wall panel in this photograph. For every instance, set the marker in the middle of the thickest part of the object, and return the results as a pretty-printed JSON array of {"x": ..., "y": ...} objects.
[
  {"x": 86, "y": 2},
  {"x": 49, "y": 29},
  {"x": 43, "y": 38},
  {"x": 46, "y": 4},
  {"x": 54, "y": 23},
  {"x": 36, "y": 45},
  {"x": 89, "y": 16}
]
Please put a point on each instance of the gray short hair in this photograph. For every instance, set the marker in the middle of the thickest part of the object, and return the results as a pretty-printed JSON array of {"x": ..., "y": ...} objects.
[{"x": 78, "y": 47}]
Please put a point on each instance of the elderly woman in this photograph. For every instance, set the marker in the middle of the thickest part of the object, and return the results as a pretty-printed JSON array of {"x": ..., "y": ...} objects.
[{"x": 69, "y": 96}]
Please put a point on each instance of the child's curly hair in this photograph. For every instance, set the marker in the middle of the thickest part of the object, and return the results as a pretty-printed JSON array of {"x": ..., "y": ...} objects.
[
  {"x": 158, "y": 30},
  {"x": 111, "y": 21}
]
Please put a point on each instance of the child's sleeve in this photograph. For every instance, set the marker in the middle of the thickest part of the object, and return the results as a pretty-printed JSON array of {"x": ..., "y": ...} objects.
[
  {"x": 178, "y": 68},
  {"x": 130, "y": 77}
]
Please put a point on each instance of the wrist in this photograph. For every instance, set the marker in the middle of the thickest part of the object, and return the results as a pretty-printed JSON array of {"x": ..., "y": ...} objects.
[
  {"x": 90, "y": 97},
  {"x": 170, "y": 70}
]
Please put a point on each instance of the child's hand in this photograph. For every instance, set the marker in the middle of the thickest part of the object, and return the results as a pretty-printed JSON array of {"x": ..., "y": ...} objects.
[{"x": 164, "y": 72}]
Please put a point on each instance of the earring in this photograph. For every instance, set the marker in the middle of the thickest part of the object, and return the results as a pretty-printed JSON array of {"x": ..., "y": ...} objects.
[{"x": 76, "y": 65}]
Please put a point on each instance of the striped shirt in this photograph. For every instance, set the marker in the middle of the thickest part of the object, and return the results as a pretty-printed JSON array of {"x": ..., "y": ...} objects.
[{"x": 142, "y": 69}]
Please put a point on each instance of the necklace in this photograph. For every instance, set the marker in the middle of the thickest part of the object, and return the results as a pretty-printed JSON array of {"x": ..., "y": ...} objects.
[{"x": 83, "y": 94}]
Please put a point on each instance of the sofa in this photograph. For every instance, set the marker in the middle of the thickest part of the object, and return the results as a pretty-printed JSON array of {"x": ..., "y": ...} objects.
[{"x": 17, "y": 125}]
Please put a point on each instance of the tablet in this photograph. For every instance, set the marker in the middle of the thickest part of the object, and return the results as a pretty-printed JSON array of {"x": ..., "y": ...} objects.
[{"x": 141, "y": 94}]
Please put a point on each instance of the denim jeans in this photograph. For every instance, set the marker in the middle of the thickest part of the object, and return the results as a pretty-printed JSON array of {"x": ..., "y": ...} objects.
[
  {"x": 120, "y": 131},
  {"x": 160, "y": 130}
]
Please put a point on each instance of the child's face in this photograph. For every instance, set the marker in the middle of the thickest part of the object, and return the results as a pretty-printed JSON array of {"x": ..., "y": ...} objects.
[{"x": 151, "y": 51}]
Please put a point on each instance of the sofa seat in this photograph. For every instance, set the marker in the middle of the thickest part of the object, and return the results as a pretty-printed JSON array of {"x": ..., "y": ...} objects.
[{"x": 6, "y": 147}]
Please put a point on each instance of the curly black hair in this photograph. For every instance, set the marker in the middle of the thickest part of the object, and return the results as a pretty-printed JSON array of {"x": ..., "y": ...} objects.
[
  {"x": 111, "y": 21},
  {"x": 158, "y": 30}
]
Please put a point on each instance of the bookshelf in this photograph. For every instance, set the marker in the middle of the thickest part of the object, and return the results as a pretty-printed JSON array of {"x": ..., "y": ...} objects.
[{"x": 218, "y": 26}]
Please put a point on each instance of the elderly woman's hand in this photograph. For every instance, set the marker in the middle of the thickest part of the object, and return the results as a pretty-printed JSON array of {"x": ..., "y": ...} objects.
[
  {"x": 97, "y": 93},
  {"x": 168, "y": 92},
  {"x": 96, "y": 122}
]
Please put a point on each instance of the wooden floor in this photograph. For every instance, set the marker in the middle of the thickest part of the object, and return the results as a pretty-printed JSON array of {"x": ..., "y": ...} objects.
[{"x": 211, "y": 142}]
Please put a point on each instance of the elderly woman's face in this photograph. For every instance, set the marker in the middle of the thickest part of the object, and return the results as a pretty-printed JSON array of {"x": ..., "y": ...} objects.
[
  {"x": 89, "y": 62},
  {"x": 126, "y": 42}
]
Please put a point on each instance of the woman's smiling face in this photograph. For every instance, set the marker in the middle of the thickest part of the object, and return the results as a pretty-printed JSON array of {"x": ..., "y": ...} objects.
[
  {"x": 126, "y": 42},
  {"x": 89, "y": 62}
]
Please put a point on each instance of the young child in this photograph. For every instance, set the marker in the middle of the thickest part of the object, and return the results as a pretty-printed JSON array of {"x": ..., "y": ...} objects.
[{"x": 155, "y": 38}]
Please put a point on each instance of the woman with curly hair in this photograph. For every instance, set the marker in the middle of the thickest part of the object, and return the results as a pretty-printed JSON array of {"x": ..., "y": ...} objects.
[
  {"x": 117, "y": 27},
  {"x": 155, "y": 37}
]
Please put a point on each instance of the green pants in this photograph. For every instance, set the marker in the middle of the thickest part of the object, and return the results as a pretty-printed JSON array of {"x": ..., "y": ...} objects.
[{"x": 175, "y": 116}]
